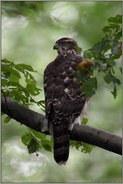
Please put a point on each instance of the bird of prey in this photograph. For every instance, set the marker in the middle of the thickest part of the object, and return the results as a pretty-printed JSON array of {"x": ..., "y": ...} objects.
[{"x": 65, "y": 102}]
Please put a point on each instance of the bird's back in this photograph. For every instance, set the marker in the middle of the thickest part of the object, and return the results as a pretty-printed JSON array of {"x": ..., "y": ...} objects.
[{"x": 64, "y": 101}]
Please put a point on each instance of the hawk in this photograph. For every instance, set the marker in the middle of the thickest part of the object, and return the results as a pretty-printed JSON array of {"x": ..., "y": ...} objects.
[{"x": 65, "y": 102}]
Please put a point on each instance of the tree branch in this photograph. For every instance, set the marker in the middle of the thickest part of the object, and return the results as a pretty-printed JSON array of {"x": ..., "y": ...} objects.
[{"x": 39, "y": 123}]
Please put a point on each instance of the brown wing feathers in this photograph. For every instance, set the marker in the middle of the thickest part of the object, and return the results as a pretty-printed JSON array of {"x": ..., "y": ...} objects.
[{"x": 64, "y": 102}]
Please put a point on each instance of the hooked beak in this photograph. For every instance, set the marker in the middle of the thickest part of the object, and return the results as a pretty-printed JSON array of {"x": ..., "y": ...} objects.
[{"x": 55, "y": 46}]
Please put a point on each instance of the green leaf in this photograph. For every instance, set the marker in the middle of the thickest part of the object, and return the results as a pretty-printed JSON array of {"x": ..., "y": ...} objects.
[
  {"x": 88, "y": 54},
  {"x": 5, "y": 61},
  {"x": 111, "y": 78},
  {"x": 32, "y": 89},
  {"x": 33, "y": 146},
  {"x": 45, "y": 141},
  {"x": 20, "y": 90},
  {"x": 47, "y": 145},
  {"x": 86, "y": 148},
  {"x": 84, "y": 121},
  {"x": 116, "y": 19},
  {"x": 19, "y": 68},
  {"x": 114, "y": 26},
  {"x": 15, "y": 73},
  {"x": 20, "y": 96},
  {"x": 4, "y": 82},
  {"x": 13, "y": 83},
  {"x": 107, "y": 79},
  {"x": 27, "y": 67},
  {"x": 7, "y": 119},
  {"x": 81, "y": 146},
  {"x": 100, "y": 48},
  {"x": 120, "y": 68},
  {"x": 37, "y": 135},
  {"x": 115, "y": 80},
  {"x": 106, "y": 29},
  {"x": 14, "y": 78},
  {"x": 114, "y": 92},
  {"x": 114, "y": 46},
  {"x": 26, "y": 138},
  {"x": 118, "y": 35},
  {"x": 89, "y": 86},
  {"x": 6, "y": 69}
]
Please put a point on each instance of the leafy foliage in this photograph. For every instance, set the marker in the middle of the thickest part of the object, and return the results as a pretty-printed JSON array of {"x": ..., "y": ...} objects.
[
  {"x": 35, "y": 141},
  {"x": 87, "y": 81},
  {"x": 81, "y": 146},
  {"x": 19, "y": 83},
  {"x": 105, "y": 54},
  {"x": 22, "y": 8}
]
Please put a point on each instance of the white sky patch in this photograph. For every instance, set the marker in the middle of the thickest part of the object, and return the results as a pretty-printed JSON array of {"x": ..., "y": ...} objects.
[
  {"x": 13, "y": 148},
  {"x": 17, "y": 159},
  {"x": 16, "y": 21},
  {"x": 28, "y": 168},
  {"x": 19, "y": 150},
  {"x": 59, "y": 12}
]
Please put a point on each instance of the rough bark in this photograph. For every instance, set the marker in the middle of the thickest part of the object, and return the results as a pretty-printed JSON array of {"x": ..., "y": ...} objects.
[{"x": 39, "y": 123}]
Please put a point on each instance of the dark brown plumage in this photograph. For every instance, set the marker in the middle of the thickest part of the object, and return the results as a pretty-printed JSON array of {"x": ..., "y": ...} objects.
[{"x": 63, "y": 98}]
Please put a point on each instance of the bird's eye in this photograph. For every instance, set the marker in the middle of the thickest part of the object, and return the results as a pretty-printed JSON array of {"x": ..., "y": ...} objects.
[{"x": 64, "y": 43}]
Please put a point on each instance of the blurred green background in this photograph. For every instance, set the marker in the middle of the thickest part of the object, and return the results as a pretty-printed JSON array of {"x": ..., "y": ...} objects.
[{"x": 29, "y": 30}]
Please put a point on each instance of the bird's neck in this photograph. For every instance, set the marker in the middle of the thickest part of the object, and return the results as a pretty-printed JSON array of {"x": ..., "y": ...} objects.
[{"x": 65, "y": 53}]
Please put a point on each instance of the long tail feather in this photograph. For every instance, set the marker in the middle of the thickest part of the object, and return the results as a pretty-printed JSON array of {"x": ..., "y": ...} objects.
[{"x": 61, "y": 143}]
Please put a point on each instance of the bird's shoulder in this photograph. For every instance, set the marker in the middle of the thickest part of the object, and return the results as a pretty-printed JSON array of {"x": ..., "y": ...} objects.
[{"x": 61, "y": 60}]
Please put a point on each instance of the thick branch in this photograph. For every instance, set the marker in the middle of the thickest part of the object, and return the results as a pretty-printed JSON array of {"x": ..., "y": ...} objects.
[{"x": 83, "y": 133}]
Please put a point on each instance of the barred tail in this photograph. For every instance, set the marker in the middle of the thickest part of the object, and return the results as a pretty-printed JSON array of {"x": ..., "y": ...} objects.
[{"x": 61, "y": 143}]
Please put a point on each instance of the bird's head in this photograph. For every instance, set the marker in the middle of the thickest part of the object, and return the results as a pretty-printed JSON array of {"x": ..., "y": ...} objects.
[{"x": 65, "y": 46}]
